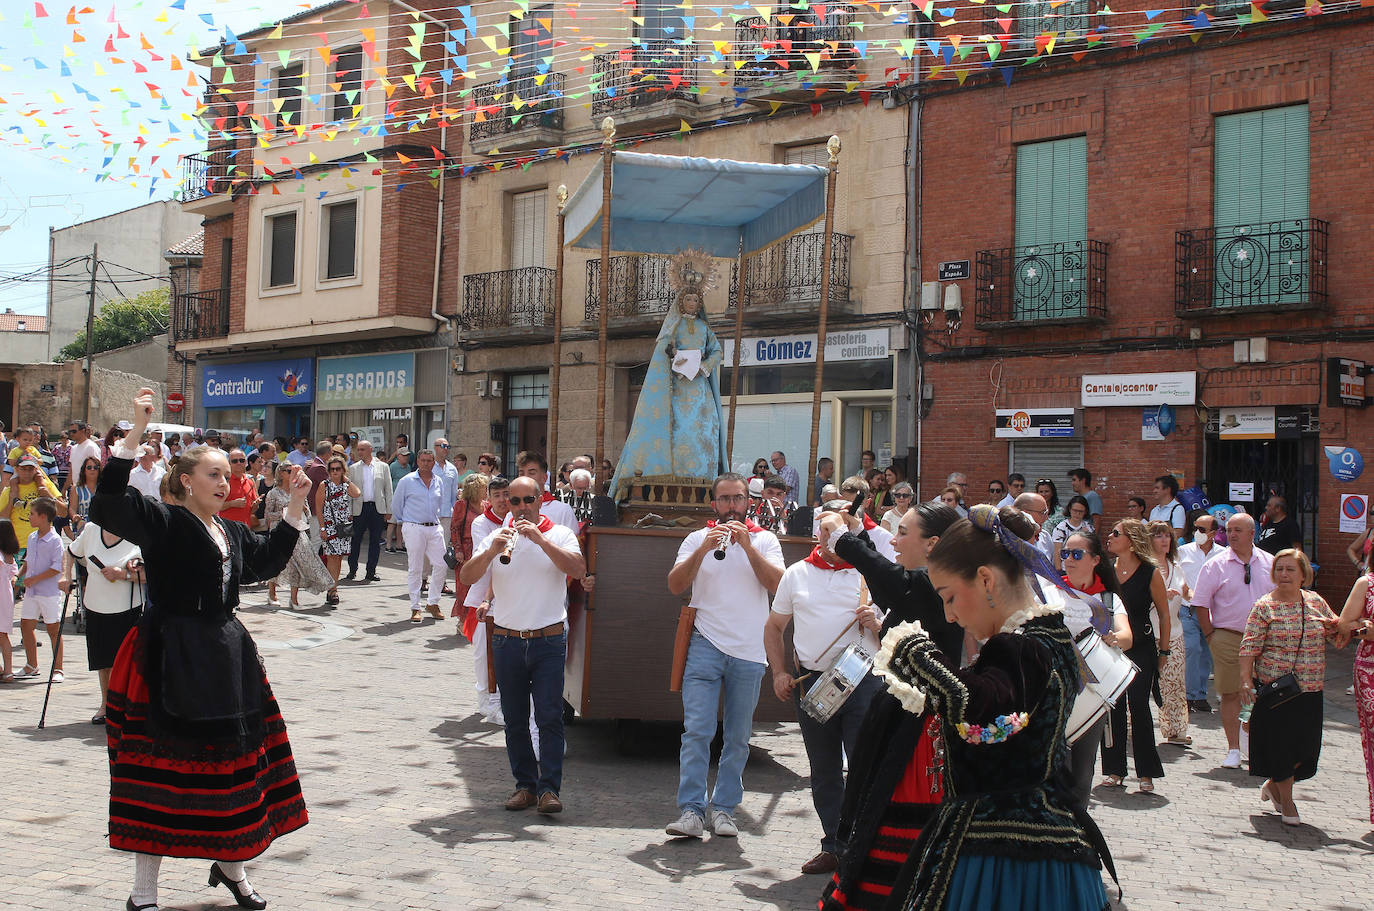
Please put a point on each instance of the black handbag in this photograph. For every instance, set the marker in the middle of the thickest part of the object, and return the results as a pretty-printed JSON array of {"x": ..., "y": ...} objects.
[{"x": 1284, "y": 688}]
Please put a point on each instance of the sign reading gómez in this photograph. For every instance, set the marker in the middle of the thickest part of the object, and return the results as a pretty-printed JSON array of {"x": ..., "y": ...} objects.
[{"x": 776, "y": 350}]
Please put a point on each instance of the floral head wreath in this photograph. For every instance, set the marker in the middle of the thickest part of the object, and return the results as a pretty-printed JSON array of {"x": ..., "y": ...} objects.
[{"x": 691, "y": 272}]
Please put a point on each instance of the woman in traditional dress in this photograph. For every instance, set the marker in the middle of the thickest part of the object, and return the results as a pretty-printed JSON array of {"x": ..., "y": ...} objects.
[
  {"x": 1006, "y": 834},
  {"x": 677, "y": 429},
  {"x": 894, "y": 780},
  {"x": 200, "y": 765}
]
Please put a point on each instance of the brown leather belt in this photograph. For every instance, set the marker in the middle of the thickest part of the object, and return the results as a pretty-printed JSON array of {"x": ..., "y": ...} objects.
[{"x": 553, "y": 629}]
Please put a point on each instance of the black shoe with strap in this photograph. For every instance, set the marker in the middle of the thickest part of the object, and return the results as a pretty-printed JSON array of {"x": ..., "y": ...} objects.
[
  {"x": 130, "y": 906},
  {"x": 248, "y": 899}
]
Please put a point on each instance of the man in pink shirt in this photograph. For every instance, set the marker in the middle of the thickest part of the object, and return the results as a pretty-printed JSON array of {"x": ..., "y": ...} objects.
[{"x": 1227, "y": 588}]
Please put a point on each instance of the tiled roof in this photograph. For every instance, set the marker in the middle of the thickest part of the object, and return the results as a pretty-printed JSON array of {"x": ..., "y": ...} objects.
[
  {"x": 33, "y": 322},
  {"x": 191, "y": 246}
]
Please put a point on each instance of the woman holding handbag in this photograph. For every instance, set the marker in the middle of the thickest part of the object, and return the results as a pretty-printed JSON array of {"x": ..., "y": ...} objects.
[{"x": 1282, "y": 665}]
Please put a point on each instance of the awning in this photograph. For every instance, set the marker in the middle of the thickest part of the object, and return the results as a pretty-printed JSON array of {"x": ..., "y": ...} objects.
[{"x": 666, "y": 203}]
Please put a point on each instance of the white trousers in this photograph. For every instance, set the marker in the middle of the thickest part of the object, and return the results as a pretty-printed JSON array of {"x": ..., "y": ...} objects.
[
  {"x": 424, "y": 542},
  {"x": 479, "y": 662}
]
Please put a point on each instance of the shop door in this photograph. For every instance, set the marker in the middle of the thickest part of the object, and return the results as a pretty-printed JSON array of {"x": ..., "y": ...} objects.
[
  {"x": 525, "y": 431},
  {"x": 865, "y": 427},
  {"x": 1285, "y": 468}
]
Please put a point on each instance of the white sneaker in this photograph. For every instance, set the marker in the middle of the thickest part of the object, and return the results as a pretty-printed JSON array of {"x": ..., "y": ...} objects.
[
  {"x": 1232, "y": 760},
  {"x": 723, "y": 824},
  {"x": 688, "y": 825}
]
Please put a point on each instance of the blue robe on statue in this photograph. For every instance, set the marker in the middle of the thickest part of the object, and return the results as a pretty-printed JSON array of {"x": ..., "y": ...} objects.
[{"x": 677, "y": 429}]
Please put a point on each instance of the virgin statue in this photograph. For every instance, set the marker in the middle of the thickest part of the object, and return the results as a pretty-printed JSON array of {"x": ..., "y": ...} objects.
[{"x": 677, "y": 430}]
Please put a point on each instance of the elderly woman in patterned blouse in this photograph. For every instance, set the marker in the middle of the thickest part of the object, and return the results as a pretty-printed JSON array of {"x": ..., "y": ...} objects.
[{"x": 1286, "y": 633}]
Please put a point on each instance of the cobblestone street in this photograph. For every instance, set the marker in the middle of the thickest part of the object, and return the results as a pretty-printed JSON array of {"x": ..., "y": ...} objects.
[{"x": 405, "y": 783}]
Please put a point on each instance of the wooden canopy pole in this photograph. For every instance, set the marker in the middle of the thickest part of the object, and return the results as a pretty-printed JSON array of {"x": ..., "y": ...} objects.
[
  {"x": 607, "y": 149},
  {"x": 556, "y": 368},
  {"x": 742, "y": 276},
  {"x": 833, "y": 146}
]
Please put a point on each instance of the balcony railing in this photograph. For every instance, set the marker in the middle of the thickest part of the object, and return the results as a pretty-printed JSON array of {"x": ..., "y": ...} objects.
[
  {"x": 512, "y": 300},
  {"x": 785, "y": 279},
  {"x": 206, "y": 175},
  {"x": 1278, "y": 265},
  {"x": 769, "y": 50},
  {"x": 199, "y": 315},
  {"x": 518, "y": 103},
  {"x": 1044, "y": 283},
  {"x": 637, "y": 77},
  {"x": 639, "y": 290}
]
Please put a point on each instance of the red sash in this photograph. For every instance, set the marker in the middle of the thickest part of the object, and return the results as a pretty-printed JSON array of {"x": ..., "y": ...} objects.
[
  {"x": 470, "y": 623},
  {"x": 1096, "y": 588},
  {"x": 545, "y": 523},
  {"x": 547, "y": 497},
  {"x": 491, "y": 516},
  {"x": 869, "y": 523},
  {"x": 816, "y": 560}
]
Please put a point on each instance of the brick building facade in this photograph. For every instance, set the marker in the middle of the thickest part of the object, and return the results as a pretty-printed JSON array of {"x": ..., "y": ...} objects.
[{"x": 1195, "y": 207}]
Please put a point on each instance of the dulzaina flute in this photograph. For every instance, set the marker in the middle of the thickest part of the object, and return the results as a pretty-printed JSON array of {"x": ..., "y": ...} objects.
[
  {"x": 719, "y": 553},
  {"x": 510, "y": 549}
]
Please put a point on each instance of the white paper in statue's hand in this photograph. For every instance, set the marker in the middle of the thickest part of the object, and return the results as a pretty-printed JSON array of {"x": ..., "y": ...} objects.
[{"x": 687, "y": 362}]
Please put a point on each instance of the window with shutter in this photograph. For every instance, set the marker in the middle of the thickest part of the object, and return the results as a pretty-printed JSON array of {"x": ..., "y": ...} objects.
[
  {"x": 341, "y": 239},
  {"x": 281, "y": 267},
  {"x": 527, "y": 229},
  {"x": 1260, "y": 196},
  {"x": 289, "y": 83},
  {"x": 1050, "y": 265},
  {"x": 660, "y": 20},
  {"x": 347, "y": 83},
  {"x": 1052, "y": 459}
]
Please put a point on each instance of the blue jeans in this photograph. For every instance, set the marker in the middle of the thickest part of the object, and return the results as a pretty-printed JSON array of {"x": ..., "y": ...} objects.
[
  {"x": 1199, "y": 655},
  {"x": 823, "y": 744},
  {"x": 525, "y": 669},
  {"x": 708, "y": 670}
]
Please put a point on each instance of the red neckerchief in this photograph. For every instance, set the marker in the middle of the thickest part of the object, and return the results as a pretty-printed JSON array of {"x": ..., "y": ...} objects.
[
  {"x": 816, "y": 560},
  {"x": 547, "y": 497},
  {"x": 869, "y": 523},
  {"x": 491, "y": 516},
  {"x": 545, "y": 523},
  {"x": 749, "y": 524},
  {"x": 1096, "y": 588}
]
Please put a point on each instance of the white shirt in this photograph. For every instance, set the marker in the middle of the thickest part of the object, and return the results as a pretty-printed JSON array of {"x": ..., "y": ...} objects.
[
  {"x": 479, "y": 590},
  {"x": 1172, "y": 512},
  {"x": 559, "y": 513},
  {"x": 103, "y": 596},
  {"x": 882, "y": 542},
  {"x": 1191, "y": 560},
  {"x": 821, "y": 603},
  {"x": 530, "y": 592},
  {"x": 369, "y": 479},
  {"x": 731, "y": 603},
  {"x": 146, "y": 482},
  {"x": 1008, "y": 500},
  {"x": 89, "y": 449}
]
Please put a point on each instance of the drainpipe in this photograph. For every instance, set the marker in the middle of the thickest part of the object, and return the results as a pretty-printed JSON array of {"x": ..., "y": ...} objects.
[{"x": 915, "y": 196}]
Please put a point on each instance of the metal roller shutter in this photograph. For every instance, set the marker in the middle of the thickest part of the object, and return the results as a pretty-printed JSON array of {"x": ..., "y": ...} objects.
[{"x": 1052, "y": 459}]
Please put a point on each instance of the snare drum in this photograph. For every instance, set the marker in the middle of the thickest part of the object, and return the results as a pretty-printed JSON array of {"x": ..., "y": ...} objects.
[
  {"x": 1113, "y": 672},
  {"x": 837, "y": 684}
]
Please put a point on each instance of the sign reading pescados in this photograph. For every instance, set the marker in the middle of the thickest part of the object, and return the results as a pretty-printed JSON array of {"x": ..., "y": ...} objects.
[{"x": 1123, "y": 389}]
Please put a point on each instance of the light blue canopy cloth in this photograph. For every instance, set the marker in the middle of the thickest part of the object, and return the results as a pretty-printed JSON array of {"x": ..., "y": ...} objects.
[{"x": 667, "y": 203}]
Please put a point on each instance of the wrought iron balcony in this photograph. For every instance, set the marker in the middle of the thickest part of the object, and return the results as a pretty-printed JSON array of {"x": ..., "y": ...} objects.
[
  {"x": 199, "y": 315},
  {"x": 784, "y": 281},
  {"x": 1042, "y": 284},
  {"x": 772, "y": 51},
  {"x": 206, "y": 175},
  {"x": 645, "y": 81},
  {"x": 1066, "y": 21},
  {"x": 1272, "y": 266},
  {"x": 519, "y": 112},
  {"x": 639, "y": 291},
  {"x": 514, "y": 303}
]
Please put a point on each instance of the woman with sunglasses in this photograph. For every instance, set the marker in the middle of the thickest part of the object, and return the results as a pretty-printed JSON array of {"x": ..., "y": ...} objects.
[
  {"x": 79, "y": 497},
  {"x": 1173, "y": 685},
  {"x": 1142, "y": 588},
  {"x": 762, "y": 469},
  {"x": 1085, "y": 573},
  {"x": 334, "y": 506},
  {"x": 902, "y": 498}
]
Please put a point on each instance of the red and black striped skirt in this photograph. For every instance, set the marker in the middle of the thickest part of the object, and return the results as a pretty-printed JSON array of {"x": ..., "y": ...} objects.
[{"x": 218, "y": 805}]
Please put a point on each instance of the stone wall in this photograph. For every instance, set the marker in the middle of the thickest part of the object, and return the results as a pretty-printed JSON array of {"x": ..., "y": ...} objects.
[{"x": 53, "y": 394}]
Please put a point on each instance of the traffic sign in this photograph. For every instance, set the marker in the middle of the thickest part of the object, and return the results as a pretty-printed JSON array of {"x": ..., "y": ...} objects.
[{"x": 175, "y": 402}]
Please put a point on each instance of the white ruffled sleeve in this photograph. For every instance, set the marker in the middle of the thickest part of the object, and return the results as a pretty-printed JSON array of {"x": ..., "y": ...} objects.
[{"x": 899, "y": 684}]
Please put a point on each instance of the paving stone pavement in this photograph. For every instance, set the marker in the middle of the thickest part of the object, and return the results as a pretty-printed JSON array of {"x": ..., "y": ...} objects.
[{"x": 405, "y": 783}]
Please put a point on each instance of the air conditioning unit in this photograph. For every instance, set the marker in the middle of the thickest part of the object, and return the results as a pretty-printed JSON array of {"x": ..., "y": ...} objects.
[{"x": 498, "y": 387}]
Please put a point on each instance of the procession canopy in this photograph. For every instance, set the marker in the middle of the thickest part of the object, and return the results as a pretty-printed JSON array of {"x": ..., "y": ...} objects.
[{"x": 665, "y": 203}]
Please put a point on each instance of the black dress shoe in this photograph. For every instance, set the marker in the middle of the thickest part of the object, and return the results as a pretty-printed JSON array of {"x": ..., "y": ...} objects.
[
  {"x": 348, "y": 577},
  {"x": 250, "y": 899},
  {"x": 1201, "y": 706},
  {"x": 130, "y": 906},
  {"x": 372, "y": 578}
]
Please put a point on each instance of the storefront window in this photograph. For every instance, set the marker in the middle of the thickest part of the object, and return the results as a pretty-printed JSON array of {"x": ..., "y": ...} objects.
[
  {"x": 235, "y": 423},
  {"x": 841, "y": 376}
]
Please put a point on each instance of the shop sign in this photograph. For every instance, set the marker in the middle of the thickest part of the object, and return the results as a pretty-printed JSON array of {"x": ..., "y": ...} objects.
[
  {"x": 777, "y": 350},
  {"x": 1034, "y": 423},
  {"x": 374, "y": 435},
  {"x": 285, "y": 382},
  {"x": 1241, "y": 492},
  {"x": 1346, "y": 464},
  {"x": 1156, "y": 423},
  {"x": 367, "y": 381},
  {"x": 1354, "y": 513},
  {"x": 1346, "y": 382},
  {"x": 391, "y": 414},
  {"x": 1247, "y": 424},
  {"x": 1112, "y": 390}
]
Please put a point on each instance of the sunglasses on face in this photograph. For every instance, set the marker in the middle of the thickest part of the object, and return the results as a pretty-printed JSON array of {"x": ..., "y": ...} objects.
[
  {"x": 1076, "y": 553},
  {"x": 902, "y": 496},
  {"x": 1114, "y": 533},
  {"x": 441, "y": 446},
  {"x": 521, "y": 501},
  {"x": 237, "y": 461},
  {"x": 484, "y": 462},
  {"x": 996, "y": 490}
]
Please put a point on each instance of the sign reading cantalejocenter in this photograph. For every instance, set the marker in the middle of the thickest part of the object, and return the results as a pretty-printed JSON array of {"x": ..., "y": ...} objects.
[
  {"x": 285, "y": 382},
  {"x": 1034, "y": 423},
  {"x": 367, "y": 381},
  {"x": 1114, "y": 390},
  {"x": 776, "y": 350}
]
